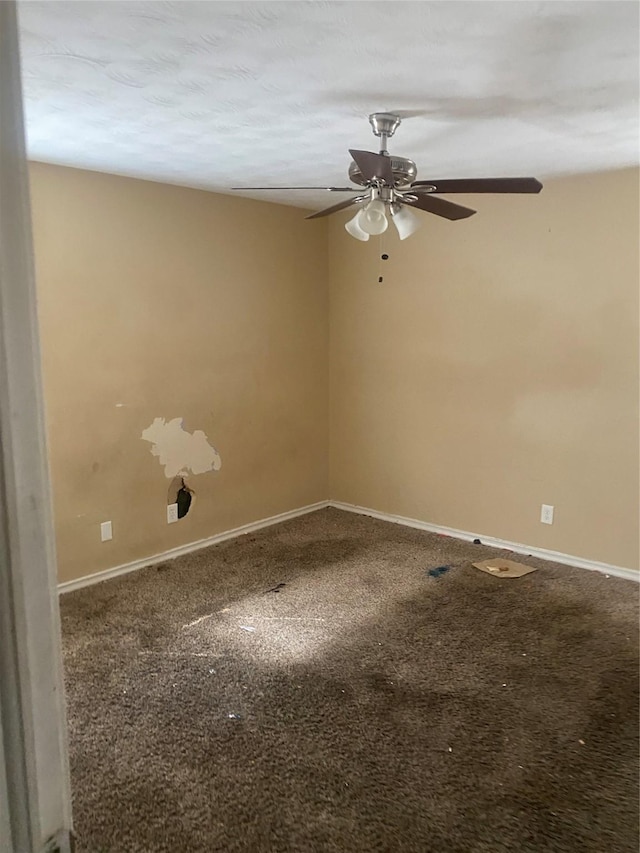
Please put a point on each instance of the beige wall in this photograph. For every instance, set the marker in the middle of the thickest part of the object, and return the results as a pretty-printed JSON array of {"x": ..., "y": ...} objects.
[
  {"x": 496, "y": 369},
  {"x": 158, "y": 301}
]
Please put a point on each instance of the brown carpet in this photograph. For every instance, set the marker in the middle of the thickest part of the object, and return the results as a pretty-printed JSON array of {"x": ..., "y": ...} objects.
[{"x": 363, "y": 706}]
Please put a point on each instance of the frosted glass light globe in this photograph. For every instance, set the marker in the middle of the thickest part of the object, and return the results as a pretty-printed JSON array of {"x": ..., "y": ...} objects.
[{"x": 372, "y": 219}]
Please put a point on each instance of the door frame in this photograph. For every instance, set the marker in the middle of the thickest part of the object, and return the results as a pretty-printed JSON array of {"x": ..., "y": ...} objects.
[{"x": 35, "y": 799}]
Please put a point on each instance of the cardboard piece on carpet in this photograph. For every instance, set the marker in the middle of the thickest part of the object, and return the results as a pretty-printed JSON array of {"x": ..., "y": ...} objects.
[{"x": 504, "y": 568}]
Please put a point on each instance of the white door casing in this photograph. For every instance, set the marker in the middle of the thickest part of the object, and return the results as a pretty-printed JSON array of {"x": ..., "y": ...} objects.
[{"x": 35, "y": 810}]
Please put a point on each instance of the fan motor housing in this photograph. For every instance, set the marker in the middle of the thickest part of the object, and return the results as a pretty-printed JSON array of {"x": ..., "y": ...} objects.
[{"x": 404, "y": 172}]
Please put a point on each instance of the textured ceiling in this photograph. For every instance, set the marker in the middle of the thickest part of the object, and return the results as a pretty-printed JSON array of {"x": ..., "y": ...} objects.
[{"x": 215, "y": 94}]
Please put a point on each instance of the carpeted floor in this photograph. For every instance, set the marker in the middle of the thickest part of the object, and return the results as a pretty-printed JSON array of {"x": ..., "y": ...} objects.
[{"x": 362, "y": 706}]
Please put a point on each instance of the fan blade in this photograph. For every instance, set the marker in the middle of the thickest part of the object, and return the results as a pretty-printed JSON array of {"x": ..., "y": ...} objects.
[
  {"x": 329, "y": 189},
  {"x": 373, "y": 165},
  {"x": 483, "y": 185},
  {"x": 335, "y": 207},
  {"x": 439, "y": 206}
]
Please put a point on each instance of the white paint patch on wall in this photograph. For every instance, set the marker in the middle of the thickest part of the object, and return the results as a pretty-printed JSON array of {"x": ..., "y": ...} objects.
[{"x": 181, "y": 452}]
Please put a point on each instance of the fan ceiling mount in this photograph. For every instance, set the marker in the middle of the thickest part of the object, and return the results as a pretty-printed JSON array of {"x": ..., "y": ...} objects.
[{"x": 387, "y": 187}]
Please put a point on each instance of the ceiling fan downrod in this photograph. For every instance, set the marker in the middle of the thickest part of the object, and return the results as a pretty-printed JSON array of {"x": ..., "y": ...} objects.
[{"x": 384, "y": 125}]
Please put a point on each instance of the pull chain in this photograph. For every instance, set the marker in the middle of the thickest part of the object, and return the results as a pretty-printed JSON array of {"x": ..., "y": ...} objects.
[{"x": 383, "y": 257}]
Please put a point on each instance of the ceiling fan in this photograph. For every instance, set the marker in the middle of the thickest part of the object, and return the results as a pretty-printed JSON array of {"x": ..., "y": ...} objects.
[{"x": 390, "y": 188}]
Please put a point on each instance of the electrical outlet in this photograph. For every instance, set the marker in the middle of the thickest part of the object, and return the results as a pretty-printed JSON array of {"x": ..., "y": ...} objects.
[
  {"x": 106, "y": 531},
  {"x": 546, "y": 514},
  {"x": 172, "y": 513}
]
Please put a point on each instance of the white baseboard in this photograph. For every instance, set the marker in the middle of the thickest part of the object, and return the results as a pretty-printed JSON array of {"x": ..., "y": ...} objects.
[
  {"x": 542, "y": 553},
  {"x": 97, "y": 577}
]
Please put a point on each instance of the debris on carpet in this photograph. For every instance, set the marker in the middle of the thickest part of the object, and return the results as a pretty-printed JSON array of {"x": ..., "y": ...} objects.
[
  {"x": 500, "y": 568},
  {"x": 439, "y": 570}
]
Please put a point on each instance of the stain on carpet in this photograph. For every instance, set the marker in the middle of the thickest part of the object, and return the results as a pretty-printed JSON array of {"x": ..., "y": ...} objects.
[{"x": 370, "y": 709}]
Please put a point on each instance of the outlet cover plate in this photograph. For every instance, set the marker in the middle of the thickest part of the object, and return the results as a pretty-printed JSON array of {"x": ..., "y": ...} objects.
[
  {"x": 106, "y": 531},
  {"x": 546, "y": 514},
  {"x": 172, "y": 513}
]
